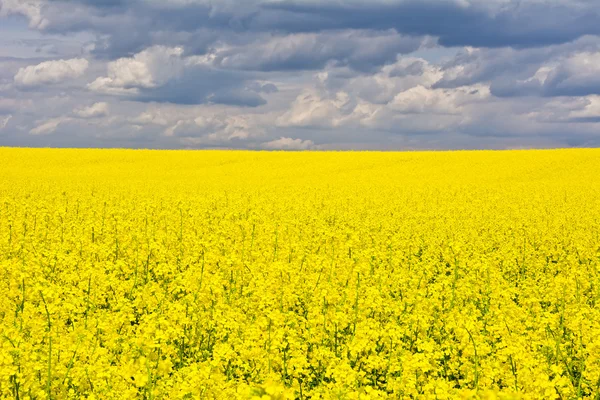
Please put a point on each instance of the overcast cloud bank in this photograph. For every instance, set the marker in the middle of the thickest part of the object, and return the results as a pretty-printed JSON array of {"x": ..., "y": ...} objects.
[{"x": 297, "y": 75}]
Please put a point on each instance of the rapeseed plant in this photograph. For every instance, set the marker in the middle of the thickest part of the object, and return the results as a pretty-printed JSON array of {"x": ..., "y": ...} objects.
[{"x": 199, "y": 275}]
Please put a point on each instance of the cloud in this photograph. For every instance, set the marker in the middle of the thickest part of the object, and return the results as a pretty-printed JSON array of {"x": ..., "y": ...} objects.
[
  {"x": 455, "y": 22},
  {"x": 123, "y": 28},
  {"x": 49, "y": 126},
  {"x": 312, "y": 109},
  {"x": 51, "y": 72},
  {"x": 330, "y": 74},
  {"x": 286, "y": 143},
  {"x": 589, "y": 113},
  {"x": 421, "y": 100},
  {"x": 400, "y": 98},
  {"x": 12, "y": 105},
  {"x": 163, "y": 74},
  {"x": 4, "y": 121},
  {"x": 361, "y": 50},
  {"x": 477, "y": 65},
  {"x": 383, "y": 85},
  {"x": 575, "y": 75},
  {"x": 150, "y": 68},
  {"x": 562, "y": 110},
  {"x": 151, "y": 118},
  {"x": 126, "y": 27},
  {"x": 32, "y": 9},
  {"x": 259, "y": 87},
  {"x": 97, "y": 110},
  {"x": 237, "y": 97},
  {"x": 202, "y": 85},
  {"x": 215, "y": 129}
]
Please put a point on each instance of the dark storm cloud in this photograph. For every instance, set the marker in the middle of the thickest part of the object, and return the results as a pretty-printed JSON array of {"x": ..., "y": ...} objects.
[
  {"x": 203, "y": 85},
  {"x": 552, "y": 88},
  {"x": 575, "y": 76},
  {"x": 508, "y": 69},
  {"x": 518, "y": 24},
  {"x": 592, "y": 120},
  {"x": 361, "y": 50}
]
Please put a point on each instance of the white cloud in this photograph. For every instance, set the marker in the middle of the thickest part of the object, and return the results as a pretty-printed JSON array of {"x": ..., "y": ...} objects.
[
  {"x": 49, "y": 126},
  {"x": 383, "y": 85},
  {"x": 586, "y": 63},
  {"x": 397, "y": 98},
  {"x": 49, "y": 72},
  {"x": 312, "y": 108},
  {"x": 148, "y": 69},
  {"x": 568, "y": 109},
  {"x": 4, "y": 121},
  {"x": 197, "y": 127},
  {"x": 540, "y": 75},
  {"x": 216, "y": 129},
  {"x": 286, "y": 143},
  {"x": 151, "y": 117},
  {"x": 590, "y": 110},
  {"x": 574, "y": 74},
  {"x": 94, "y": 111},
  {"x": 577, "y": 71},
  {"x": 419, "y": 100},
  {"x": 32, "y": 9}
]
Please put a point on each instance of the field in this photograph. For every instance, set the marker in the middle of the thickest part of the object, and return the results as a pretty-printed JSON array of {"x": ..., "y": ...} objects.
[{"x": 221, "y": 274}]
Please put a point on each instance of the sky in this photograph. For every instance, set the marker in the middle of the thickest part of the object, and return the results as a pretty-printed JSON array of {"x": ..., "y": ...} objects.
[{"x": 300, "y": 74}]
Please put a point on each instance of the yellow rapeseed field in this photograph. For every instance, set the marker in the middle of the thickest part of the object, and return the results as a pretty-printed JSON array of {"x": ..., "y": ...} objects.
[{"x": 225, "y": 274}]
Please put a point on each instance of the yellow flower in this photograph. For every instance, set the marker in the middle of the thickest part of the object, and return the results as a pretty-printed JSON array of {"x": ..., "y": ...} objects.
[{"x": 217, "y": 275}]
